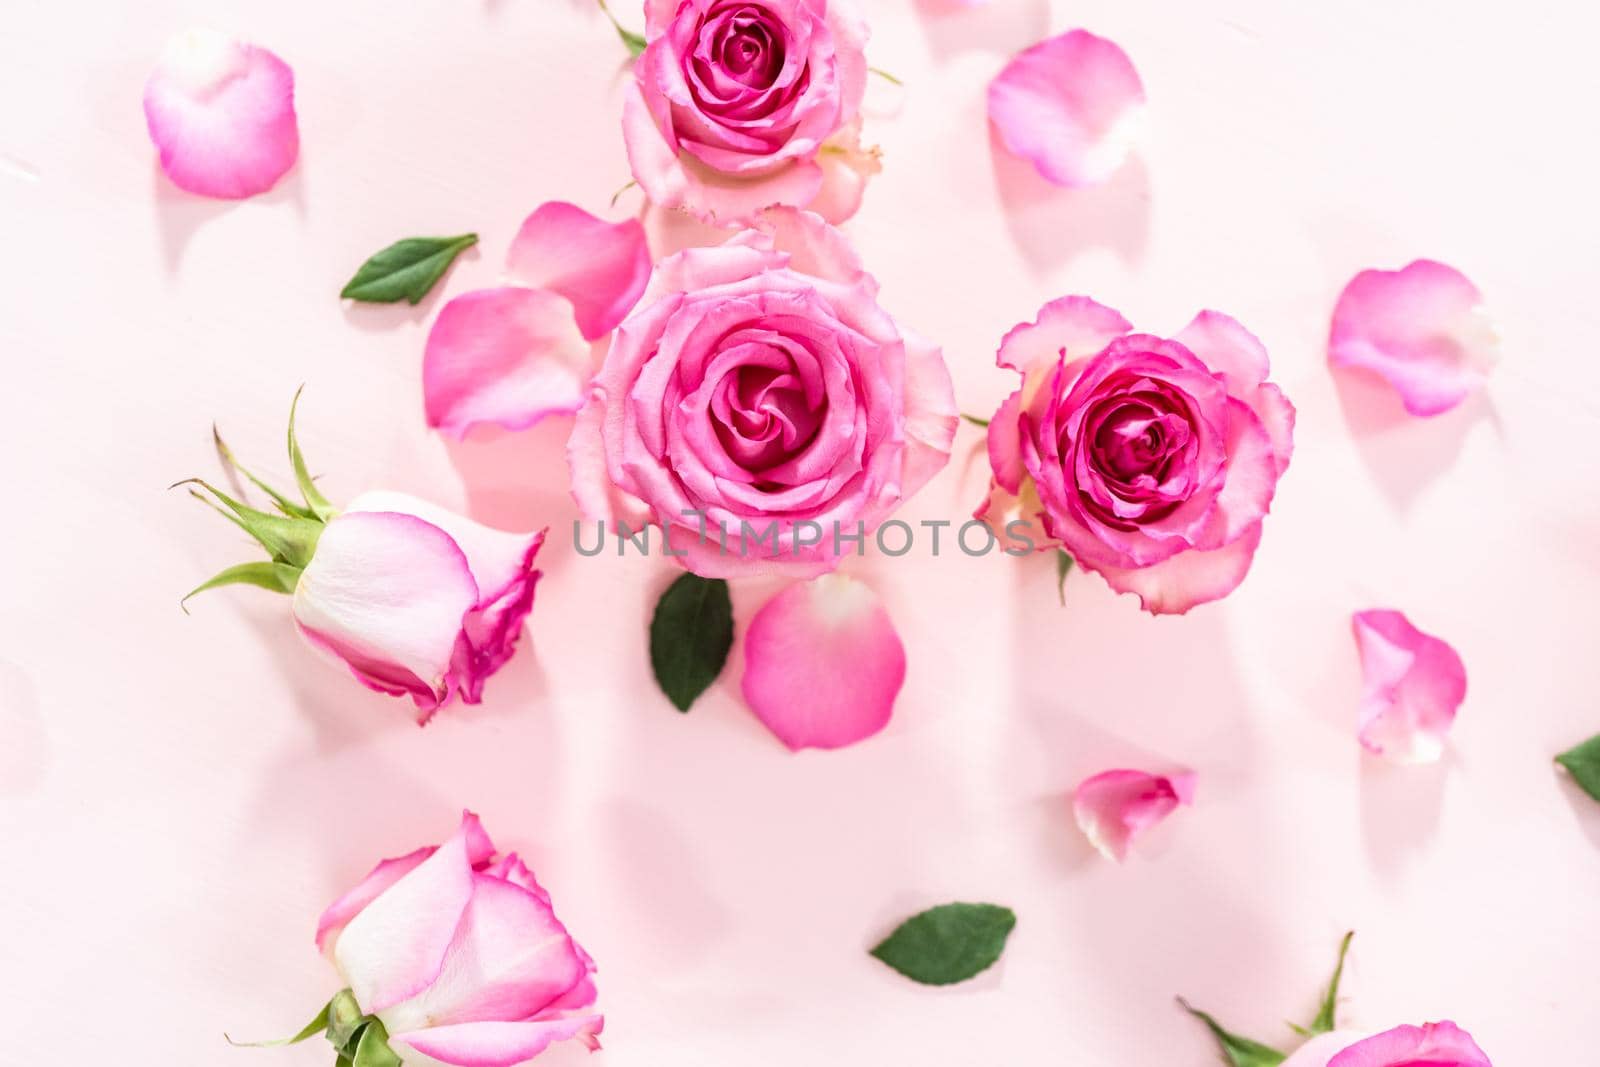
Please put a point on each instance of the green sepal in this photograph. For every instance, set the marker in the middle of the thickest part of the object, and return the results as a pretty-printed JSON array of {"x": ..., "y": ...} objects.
[
  {"x": 1324, "y": 1022},
  {"x": 635, "y": 41},
  {"x": 406, "y": 270},
  {"x": 976, "y": 421},
  {"x": 1063, "y": 568},
  {"x": 283, "y": 503},
  {"x": 373, "y": 1050},
  {"x": 315, "y": 1026},
  {"x": 319, "y": 504},
  {"x": 264, "y": 573},
  {"x": 1236, "y": 1050},
  {"x": 1583, "y": 763},
  {"x": 286, "y": 538},
  {"x": 345, "y": 1020}
]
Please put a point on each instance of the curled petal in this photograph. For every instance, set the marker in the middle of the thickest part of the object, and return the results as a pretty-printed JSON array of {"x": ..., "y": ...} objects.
[
  {"x": 931, "y": 414},
  {"x": 347, "y": 907},
  {"x": 1071, "y": 105},
  {"x": 1412, "y": 684},
  {"x": 823, "y": 664},
  {"x": 1441, "y": 1044},
  {"x": 499, "y": 1044},
  {"x": 600, "y": 267},
  {"x": 1178, "y": 583},
  {"x": 846, "y": 169},
  {"x": 508, "y": 356},
  {"x": 386, "y": 594},
  {"x": 395, "y": 948},
  {"x": 1114, "y": 807},
  {"x": 221, "y": 115},
  {"x": 1223, "y": 344},
  {"x": 813, "y": 246},
  {"x": 1073, "y": 327},
  {"x": 1422, "y": 328}
]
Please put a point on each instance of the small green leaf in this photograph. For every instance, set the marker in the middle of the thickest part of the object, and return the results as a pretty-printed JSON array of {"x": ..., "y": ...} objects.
[
  {"x": 1583, "y": 763},
  {"x": 975, "y": 420},
  {"x": 1238, "y": 1051},
  {"x": 314, "y": 499},
  {"x": 288, "y": 539},
  {"x": 1063, "y": 568},
  {"x": 1324, "y": 1022},
  {"x": 265, "y": 573},
  {"x": 373, "y": 1049},
  {"x": 949, "y": 943},
  {"x": 283, "y": 503},
  {"x": 406, "y": 270},
  {"x": 635, "y": 41},
  {"x": 315, "y": 1026},
  {"x": 690, "y": 635}
]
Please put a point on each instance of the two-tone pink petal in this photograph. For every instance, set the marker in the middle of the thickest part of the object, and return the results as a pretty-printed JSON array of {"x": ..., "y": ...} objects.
[
  {"x": 1071, "y": 105},
  {"x": 600, "y": 267},
  {"x": 1412, "y": 685},
  {"x": 221, "y": 114},
  {"x": 823, "y": 663},
  {"x": 1421, "y": 328},
  {"x": 1114, "y": 807}
]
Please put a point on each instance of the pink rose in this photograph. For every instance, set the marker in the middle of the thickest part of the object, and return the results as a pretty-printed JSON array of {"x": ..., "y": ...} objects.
[
  {"x": 1434, "y": 1045},
  {"x": 1151, "y": 461},
  {"x": 460, "y": 957},
  {"x": 741, "y": 104},
  {"x": 759, "y": 399}
]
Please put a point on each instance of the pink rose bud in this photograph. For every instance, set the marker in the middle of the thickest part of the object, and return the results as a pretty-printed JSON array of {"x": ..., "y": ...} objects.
[{"x": 1434, "y": 1044}]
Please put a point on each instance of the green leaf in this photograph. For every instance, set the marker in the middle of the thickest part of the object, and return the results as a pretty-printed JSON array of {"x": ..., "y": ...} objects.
[
  {"x": 373, "y": 1049},
  {"x": 314, "y": 499},
  {"x": 1583, "y": 763},
  {"x": 635, "y": 41},
  {"x": 1063, "y": 568},
  {"x": 288, "y": 539},
  {"x": 283, "y": 503},
  {"x": 265, "y": 573},
  {"x": 690, "y": 635},
  {"x": 1236, "y": 1050},
  {"x": 315, "y": 1026},
  {"x": 1324, "y": 1022},
  {"x": 406, "y": 270},
  {"x": 975, "y": 420},
  {"x": 949, "y": 943}
]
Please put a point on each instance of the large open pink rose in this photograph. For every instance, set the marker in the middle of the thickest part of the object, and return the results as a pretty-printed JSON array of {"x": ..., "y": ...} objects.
[
  {"x": 741, "y": 104},
  {"x": 758, "y": 400},
  {"x": 1151, "y": 461}
]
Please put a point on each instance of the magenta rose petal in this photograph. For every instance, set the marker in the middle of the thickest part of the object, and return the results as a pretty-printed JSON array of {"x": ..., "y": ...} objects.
[
  {"x": 507, "y": 356},
  {"x": 1114, "y": 807},
  {"x": 1422, "y": 328},
  {"x": 1412, "y": 685},
  {"x": 600, "y": 267},
  {"x": 499, "y": 1044},
  {"x": 1442, "y": 1044},
  {"x": 221, "y": 115},
  {"x": 1071, "y": 105},
  {"x": 823, "y": 664}
]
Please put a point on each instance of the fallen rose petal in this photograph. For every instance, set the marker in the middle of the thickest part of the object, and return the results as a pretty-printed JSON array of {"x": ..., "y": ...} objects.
[
  {"x": 508, "y": 356},
  {"x": 1071, "y": 105},
  {"x": 499, "y": 1044},
  {"x": 1422, "y": 328},
  {"x": 1114, "y": 807},
  {"x": 1412, "y": 684},
  {"x": 600, "y": 267},
  {"x": 221, "y": 115},
  {"x": 1441, "y": 1044},
  {"x": 823, "y": 663}
]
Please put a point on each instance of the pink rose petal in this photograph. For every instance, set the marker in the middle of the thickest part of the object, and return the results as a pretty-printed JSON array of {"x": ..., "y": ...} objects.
[
  {"x": 221, "y": 115},
  {"x": 1432, "y": 1045},
  {"x": 823, "y": 664},
  {"x": 347, "y": 907},
  {"x": 1422, "y": 328},
  {"x": 1412, "y": 684},
  {"x": 499, "y": 1044},
  {"x": 395, "y": 948},
  {"x": 1114, "y": 807},
  {"x": 1071, "y": 105},
  {"x": 1180, "y": 582},
  {"x": 508, "y": 356},
  {"x": 600, "y": 267}
]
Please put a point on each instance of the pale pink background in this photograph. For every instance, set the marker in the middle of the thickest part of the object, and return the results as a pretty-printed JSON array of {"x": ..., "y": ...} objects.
[{"x": 181, "y": 795}]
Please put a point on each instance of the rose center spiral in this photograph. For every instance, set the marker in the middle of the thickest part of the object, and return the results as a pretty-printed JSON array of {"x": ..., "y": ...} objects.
[{"x": 764, "y": 415}]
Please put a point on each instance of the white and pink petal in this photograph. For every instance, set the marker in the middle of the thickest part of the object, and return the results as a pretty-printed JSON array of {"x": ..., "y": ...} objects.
[
  {"x": 499, "y": 1044},
  {"x": 1114, "y": 807},
  {"x": 1412, "y": 685}
]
